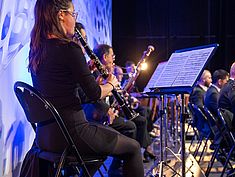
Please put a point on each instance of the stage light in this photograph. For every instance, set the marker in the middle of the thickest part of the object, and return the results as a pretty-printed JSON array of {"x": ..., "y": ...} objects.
[{"x": 144, "y": 66}]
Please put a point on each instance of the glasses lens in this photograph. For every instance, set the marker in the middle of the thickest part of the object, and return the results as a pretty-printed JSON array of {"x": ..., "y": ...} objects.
[{"x": 73, "y": 14}]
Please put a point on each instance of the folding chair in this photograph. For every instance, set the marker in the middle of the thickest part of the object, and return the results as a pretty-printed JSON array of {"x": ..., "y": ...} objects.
[
  {"x": 229, "y": 137},
  {"x": 38, "y": 110},
  {"x": 191, "y": 123},
  {"x": 198, "y": 112},
  {"x": 217, "y": 131}
]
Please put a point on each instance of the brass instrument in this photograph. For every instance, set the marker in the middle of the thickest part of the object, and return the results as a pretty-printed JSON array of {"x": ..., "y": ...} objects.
[
  {"x": 127, "y": 86},
  {"x": 131, "y": 81},
  {"x": 130, "y": 114}
]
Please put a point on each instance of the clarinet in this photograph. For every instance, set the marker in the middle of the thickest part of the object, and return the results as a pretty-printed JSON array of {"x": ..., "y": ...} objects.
[{"x": 129, "y": 113}]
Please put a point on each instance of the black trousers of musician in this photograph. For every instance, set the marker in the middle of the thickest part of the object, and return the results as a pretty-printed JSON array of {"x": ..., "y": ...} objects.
[
  {"x": 142, "y": 136},
  {"x": 125, "y": 127},
  {"x": 146, "y": 112},
  {"x": 92, "y": 140}
]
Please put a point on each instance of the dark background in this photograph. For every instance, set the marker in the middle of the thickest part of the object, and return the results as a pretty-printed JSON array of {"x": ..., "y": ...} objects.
[{"x": 169, "y": 25}]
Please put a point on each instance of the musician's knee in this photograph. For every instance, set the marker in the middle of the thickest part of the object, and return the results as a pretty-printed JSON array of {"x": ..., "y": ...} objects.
[{"x": 140, "y": 120}]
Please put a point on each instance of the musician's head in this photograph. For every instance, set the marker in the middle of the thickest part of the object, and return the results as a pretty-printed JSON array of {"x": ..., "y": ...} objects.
[
  {"x": 232, "y": 71},
  {"x": 206, "y": 78},
  {"x": 220, "y": 77},
  {"x": 53, "y": 19},
  {"x": 118, "y": 72},
  {"x": 105, "y": 53},
  {"x": 130, "y": 66}
]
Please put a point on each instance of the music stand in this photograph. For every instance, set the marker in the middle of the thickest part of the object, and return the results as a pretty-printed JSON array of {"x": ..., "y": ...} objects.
[
  {"x": 179, "y": 76},
  {"x": 155, "y": 76}
]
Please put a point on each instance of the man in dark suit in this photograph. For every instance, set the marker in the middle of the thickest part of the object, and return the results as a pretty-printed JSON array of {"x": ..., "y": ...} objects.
[
  {"x": 227, "y": 96},
  {"x": 219, "y": 79},
  {"x": 197, "y": 95},
  {"x": 197, "y": 98}
]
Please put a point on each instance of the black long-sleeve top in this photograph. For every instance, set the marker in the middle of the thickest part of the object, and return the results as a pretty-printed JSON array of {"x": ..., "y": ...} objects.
[{"x": 62, "y": 68}]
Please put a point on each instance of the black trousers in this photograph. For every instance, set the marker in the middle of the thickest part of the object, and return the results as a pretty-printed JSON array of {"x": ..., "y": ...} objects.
[
  {"x": 142, "y": 136},
  {"x": 146, "y": 112},
  {"x": 125, "y": 127}
]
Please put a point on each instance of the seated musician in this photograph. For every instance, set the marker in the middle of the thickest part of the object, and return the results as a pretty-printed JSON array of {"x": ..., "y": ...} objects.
[
  {"x": 197, "y": 98},
  {"x": 219, "y": 79},
  {"x": 101, "y": 112},
  {"x": 58, "y": 68},
  {"x": 227, "y": 98},
  {"x": 105, "y": 54},
  {"x": 144, "y": 111}
]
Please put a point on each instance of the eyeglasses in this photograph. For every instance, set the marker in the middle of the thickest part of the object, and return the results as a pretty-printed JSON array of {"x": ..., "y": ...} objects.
[
  {"x": 114, "y": 56},
  {"x": 73, "y": 14}
]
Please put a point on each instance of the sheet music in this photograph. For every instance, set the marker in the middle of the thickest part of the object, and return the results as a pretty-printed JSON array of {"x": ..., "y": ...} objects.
[
  {"x": 155, "y": 76},
  {"x": 190, "y": 71},
  {"x": 171, "y": 70},
  {"x": 184, "y": 67}
]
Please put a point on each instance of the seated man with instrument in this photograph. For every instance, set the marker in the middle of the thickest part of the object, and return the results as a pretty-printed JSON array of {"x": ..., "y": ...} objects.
[
  {"x": 128, "y": 85},
  {"x": 106, "y": 56},
  {"x": 101, "y": 112}
]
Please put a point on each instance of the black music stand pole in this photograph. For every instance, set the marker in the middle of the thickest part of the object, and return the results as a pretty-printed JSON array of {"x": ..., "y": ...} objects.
[
  {"x": 161, "y": 138},
  {"x": 182, "y": 123},
  {"x": 163, "y": 162}
]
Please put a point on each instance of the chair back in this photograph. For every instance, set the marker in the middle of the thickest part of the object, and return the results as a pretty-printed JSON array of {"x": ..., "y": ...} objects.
[
  {"x": 39, "y": 110},
  {"x": 227, "y": 130},
  {"x": 202, "y": 124},
  {"x": 212, "y": 121},
  {"x": 192, "y": 114},
  {"x": 34, "y": 105},
  {"x": 190, "y": 106}
]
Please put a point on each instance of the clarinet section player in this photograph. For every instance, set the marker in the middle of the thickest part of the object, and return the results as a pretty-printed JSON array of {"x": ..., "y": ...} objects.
[
  {"x": 100, "y": 112},
  {"x": 124, "y": 126},
  {"x": 105, "y": 54},
  {"x": 58, "y": 67}
]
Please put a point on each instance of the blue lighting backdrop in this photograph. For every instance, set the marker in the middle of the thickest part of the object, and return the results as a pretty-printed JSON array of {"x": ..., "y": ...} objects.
[{"x": 16, "y": 21}]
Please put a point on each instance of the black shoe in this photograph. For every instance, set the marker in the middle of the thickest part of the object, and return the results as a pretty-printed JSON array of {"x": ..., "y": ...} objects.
[
  {"x": 149, "y": 155},
  {"x": 221, "y": 158},
  {"x": 146, "y": 160},
  {"x": 231, "y": 172}
]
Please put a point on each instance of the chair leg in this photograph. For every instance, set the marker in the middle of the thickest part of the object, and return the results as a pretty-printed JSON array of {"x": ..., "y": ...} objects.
[
  {"x": 227, "y": 160},
  {"x": 210, "y": 165},
  {"x": 61, "y": 163},
  {"x": 187, "y": 128},
  {"x": 100, "y": 172},
  {"x": 105, "y": 167},
  {"x": 194, "y": 137},
  {"x": 204, "y": 147},
  {"x": 198, "y": 146}
]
